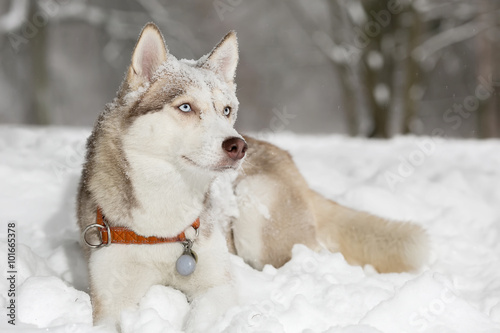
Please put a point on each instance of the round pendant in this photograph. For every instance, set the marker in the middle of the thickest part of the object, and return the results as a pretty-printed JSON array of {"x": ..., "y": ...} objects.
[{"x": 185, "y": 265}]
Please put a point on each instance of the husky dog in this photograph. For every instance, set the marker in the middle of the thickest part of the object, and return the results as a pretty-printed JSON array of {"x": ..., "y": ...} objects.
[{"x": 152, "y": 160}]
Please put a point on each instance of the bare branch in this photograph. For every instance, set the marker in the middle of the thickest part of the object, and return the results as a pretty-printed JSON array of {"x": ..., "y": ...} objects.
[
  {"x": 15, "y": 17},
  {"x": 449, "y": 37}
]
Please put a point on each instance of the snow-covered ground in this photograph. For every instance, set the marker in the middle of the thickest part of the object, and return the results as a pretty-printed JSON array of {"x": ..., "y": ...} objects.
[{"x": 449, "y": 187}]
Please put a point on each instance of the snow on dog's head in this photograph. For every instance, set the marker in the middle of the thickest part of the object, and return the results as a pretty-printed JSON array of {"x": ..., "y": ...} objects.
[{"x": 182, "y": 111}]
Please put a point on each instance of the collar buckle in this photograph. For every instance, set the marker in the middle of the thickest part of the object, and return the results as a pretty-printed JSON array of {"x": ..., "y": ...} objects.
[{"x": 99, "y": 232}]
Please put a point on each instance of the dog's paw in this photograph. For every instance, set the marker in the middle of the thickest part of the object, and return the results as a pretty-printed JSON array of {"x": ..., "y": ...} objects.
[{"x": 208, "y": 308}]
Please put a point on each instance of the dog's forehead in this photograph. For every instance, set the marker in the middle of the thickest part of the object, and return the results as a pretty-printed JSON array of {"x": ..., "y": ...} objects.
[{"x": 190, "y": 76}]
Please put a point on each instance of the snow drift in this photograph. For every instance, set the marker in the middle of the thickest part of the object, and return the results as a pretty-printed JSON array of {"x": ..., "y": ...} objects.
[{"x": 448, "y": 186}]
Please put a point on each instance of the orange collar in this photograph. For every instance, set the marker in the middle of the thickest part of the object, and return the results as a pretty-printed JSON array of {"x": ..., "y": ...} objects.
[{"x": 121, "y": 235}]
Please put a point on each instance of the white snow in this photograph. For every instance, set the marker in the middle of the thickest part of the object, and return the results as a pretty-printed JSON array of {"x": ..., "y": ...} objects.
[
  {"x": 381, "y": 93},
  {"x": 375, "y": 59},
  {"x": 452, "y": 189},
  {"x": 47, "y": 301}
]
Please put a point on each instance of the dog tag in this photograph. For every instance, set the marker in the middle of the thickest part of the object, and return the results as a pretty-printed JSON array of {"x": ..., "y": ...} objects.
[{"x": 186, "y": 264}]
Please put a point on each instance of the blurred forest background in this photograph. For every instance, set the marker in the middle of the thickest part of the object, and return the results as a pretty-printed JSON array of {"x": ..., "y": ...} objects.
[{"x": 370, "y": 68}]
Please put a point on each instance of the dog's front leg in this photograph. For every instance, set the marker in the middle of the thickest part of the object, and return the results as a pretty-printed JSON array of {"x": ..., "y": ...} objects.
[
  {"x": 117, "y": 281},
  {"x": 210, "y": 289}
]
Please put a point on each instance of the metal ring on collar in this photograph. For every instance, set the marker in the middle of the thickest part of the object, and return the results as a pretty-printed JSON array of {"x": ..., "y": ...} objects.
[{"x": 95, "y": 225}]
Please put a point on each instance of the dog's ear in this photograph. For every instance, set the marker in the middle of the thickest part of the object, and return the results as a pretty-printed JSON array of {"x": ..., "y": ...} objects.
[
  {"x": 224, "y": 58},
  {"x": 149, "y": 53}
]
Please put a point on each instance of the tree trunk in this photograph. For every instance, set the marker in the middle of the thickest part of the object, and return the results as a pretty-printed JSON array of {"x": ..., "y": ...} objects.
[
  {"x": 378, "y": 76},
  {"x": 488, "y": 119},
  {"x": 411, "y": 73},
  {"x": 38, "y": 48}
]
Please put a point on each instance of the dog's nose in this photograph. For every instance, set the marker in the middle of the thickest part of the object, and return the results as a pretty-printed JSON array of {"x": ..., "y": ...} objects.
[{"x": 235, "y": 148}]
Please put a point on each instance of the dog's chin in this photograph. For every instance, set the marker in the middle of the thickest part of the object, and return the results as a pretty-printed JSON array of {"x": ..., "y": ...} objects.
[{"x": 222, "y": 166}]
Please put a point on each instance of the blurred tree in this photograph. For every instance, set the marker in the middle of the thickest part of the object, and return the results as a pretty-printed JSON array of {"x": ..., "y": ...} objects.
[
  {"x": 368, "y": 43},
  {"x": 376, "y": 31},
  {"x": 387, "y": 52},
  {"x": 470, "y": 29},
  {"x": 40, "y": 109},
  {"x": 488, "y": 52},
  {"x": 400, "y": 65},
  {"x": 336, "y": 45}
]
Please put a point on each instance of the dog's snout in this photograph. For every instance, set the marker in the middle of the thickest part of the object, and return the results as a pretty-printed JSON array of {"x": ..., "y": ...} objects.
[{"x": 235, "y": 148}]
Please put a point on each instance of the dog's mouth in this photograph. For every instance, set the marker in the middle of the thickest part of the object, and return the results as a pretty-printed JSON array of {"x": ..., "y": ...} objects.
[{"x": 217, "y": 168}]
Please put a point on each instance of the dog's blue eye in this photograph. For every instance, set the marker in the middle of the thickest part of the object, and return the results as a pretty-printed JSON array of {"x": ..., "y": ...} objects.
[
  {"x": 227, "y": 111},
  {"x": 185, "y": 107}
]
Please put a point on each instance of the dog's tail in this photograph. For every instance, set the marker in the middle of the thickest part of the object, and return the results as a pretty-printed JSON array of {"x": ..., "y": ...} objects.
[{"x": 366, "y": 239}]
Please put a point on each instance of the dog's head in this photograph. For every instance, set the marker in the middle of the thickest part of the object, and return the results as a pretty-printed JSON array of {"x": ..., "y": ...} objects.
[{"x": 182, "y": 111}]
